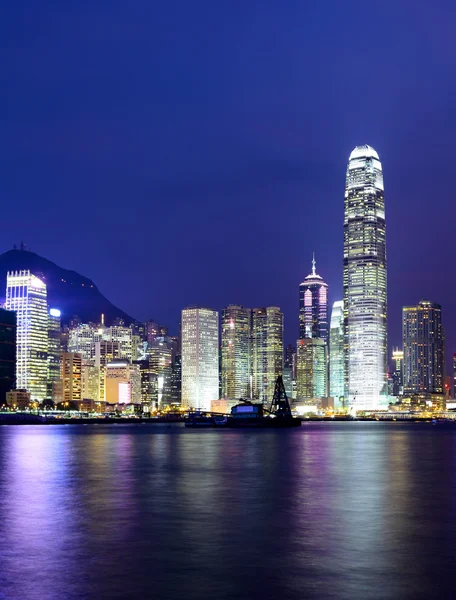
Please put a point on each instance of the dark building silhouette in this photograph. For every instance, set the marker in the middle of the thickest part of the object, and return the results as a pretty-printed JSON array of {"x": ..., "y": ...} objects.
[{"x": 7, "y": 352}]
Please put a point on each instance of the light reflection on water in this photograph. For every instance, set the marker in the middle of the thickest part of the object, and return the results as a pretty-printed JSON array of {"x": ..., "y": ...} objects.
[{"x": 333, "y": 510}]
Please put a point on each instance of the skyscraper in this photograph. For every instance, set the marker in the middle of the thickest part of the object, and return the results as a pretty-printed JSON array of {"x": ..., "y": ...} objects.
[
  {"x": 313, "y": 307},
  {"x": 311, "y": 369},
  {"x": 267, "y": 351},
  {"x": 398, "y": 372},
  {"x": 235, "y": 352},
  {"x": 160, "y": 355},
  {"x": 54, "y": 350},
  {"x": 424, "y": 354},
  {"x": 336, "y": 353},
  {"x": 70, "y": 375},
  {"x": 26, "y": 294},
  {"x": 7, "y": 353},
  {"x": 365, "y": 344},
  {"x": 200, "y": 357}
]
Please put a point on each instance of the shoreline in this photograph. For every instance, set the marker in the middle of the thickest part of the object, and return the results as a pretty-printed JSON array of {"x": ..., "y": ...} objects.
[{"x": 31, "y": 419}]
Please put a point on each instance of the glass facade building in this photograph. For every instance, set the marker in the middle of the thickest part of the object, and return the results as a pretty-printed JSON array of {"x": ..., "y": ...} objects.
[
  {"x": 364, "y": 281},
  {"x": 311, "y": 369},
  {"x": 235, "y": 327},
  {"x": 336, "y": 354},
  {"x": 26, "y": 294},
  {"x": 200, "y": 357},
  {"x": 267, "y": 351},
  {"x": 424, "y": 348},
  {"x": 313, "y": 307},
  {"x": 54, "y": 351}
]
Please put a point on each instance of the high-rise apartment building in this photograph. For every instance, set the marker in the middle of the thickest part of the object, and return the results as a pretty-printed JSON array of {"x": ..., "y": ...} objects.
[
  {"x": 200, "y": 357},
  {"x": 313, "y": 307},
  {"x": 424, "y": 348},
  {"x": 235, "y": 373},
  {"x": 311, "y": 369},
  {"x": 365, "y": 339},
  {"x": 26, "y": 294},
  {"x": 336, "y": 354},
  {"x": 267, "y": 351}
]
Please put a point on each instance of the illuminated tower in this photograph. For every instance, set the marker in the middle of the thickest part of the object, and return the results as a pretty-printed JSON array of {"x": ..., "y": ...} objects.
[
  {"x": 311, "y": 369},
  {"x": 398, "y": 372},
  {"x": 336, "y": 353},
  {"x": 267, "y": 351},
  {"x": 26, "y": 294},
  {"x": 54, "y": 350},
  {"x": 424, "y": 348},
  {"x": 200, "y": 357},
  {"x": 365, "y": 346},
  {"x": 235, "y": 352},
  {"x": 313, "y": 307}
]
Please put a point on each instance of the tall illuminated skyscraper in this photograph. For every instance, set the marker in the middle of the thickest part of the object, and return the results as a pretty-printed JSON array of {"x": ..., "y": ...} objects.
[
  {"x": 267, "y": 351},
  {"x": 336, "y": 353},
  {"x": 311, "y": 369},
  {"x": 424, "y": 348},
  {"x": 200, "y": 357},
  {"x": 313, "y": 307},
  {"x": 26, "y": 294},
  {"x": 235, "y": 352},
  {"x": 365, "y": 343},
  {"x": 54, "y": 350}
]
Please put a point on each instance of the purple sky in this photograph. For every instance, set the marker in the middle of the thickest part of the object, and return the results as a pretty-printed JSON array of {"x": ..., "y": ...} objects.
[{"x": 194, "y": 152}]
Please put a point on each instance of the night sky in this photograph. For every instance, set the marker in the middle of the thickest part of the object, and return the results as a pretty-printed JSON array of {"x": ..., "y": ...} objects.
[{"x": 183, "y": 152}]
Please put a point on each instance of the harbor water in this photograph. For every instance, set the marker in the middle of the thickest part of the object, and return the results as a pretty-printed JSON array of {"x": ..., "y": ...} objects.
[{"x": 349, "y": 510}]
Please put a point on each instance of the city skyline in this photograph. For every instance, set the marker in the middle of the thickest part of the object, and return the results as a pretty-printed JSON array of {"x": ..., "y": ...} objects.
[{"x": 216, "y": 133}]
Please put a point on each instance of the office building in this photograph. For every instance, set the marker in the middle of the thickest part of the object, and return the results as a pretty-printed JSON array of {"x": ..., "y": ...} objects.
[
  {"x": 160, "y": 355},
  {"x": 311, "y": 369},
  {"x": 90, "y": 382},
  {"x": 121, "y": 335},
  {"x": 313, "y": 307},
  {"x": 26, "y": 295},
  {"x": 398, "y": 372},
  {"x": 82, "y": 339},
  {"x": 200, "y": 357},
  {"x": 123, "y": 382},
  {"x": 336, "y": 354},
  {"x": 424, "y": 349},
  {"x": 7, "y": 353},
  {"x": 70, "y": 376},
  {"x": 235, "y": 371},
  {"x": 176, "y": 380},
  {"x": 267, "y": 351},
  {"x": 54, "y": 350},
  {"x": 364, "y": 282}
]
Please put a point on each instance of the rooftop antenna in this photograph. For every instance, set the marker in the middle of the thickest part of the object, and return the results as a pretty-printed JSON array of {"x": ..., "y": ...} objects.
[
  {"x": 313, "y": 264},
  {"x": 102, "y": 318}
]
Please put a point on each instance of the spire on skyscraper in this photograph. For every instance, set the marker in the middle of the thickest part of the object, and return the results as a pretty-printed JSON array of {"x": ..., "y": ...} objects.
[{"x": 313, "y": 264}]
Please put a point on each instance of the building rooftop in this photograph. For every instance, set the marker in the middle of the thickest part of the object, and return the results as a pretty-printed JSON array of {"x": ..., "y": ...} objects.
[{"x": 363, "y": 152}]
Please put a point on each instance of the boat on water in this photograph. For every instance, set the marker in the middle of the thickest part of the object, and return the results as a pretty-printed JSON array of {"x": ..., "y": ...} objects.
[
  {"x": 199, "y": 419},
  {"x": 248, "y": 414}
]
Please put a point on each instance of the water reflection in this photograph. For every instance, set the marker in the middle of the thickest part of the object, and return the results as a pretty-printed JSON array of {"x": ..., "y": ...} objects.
[{"x": 343, "y": 510}]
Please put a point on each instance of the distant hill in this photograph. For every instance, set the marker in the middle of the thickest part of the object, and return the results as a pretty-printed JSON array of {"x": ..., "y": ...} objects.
[{"x": 68, "y": 291}]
